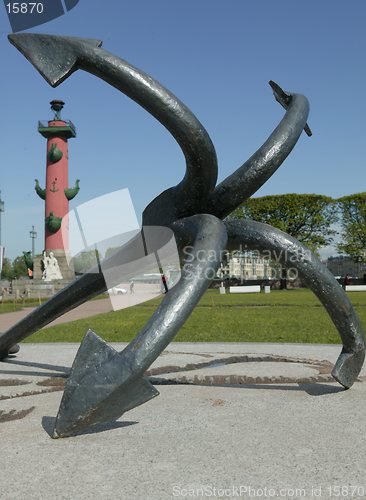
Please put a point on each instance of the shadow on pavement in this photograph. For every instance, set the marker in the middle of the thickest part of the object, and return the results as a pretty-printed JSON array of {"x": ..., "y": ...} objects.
[
  {"x": 48, "y": 424},
  {"x": 321, "y": 389},
  {"x": 313, "y": 389},
  {"x": 43, "y": 366}
]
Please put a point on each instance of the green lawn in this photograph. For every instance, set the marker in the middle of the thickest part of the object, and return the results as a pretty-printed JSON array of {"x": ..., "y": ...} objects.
[
  {"x": 281, "y": 316},
  {"x": 12, "y": 305},
  {"x": 18, "y": 305}
]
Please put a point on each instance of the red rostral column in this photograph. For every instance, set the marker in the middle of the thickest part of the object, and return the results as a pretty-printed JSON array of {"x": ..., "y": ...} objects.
[{"x": 57, "y": 193}]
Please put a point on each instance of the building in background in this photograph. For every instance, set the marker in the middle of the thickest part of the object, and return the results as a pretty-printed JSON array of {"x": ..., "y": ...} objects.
[
  {"x": 340, "y": 265},
  {"x": 246, "y": 265}
]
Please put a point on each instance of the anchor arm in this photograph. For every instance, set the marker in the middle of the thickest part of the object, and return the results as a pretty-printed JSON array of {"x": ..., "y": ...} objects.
[
  {"x": 76, "y": 293},
  {"x": 247, "y": 179},
  {"x": 290, "y": 252}
]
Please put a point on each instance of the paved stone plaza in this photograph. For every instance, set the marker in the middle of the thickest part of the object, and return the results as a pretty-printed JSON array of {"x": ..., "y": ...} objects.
[{"x": 229, "y": 416}]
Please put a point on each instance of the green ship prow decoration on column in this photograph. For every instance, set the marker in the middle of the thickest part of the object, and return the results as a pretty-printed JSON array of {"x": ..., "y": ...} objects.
[
  {"x": 53, "y": 223},
  {"x": 70, "y": 193},
  {"x": 55, "y": 154},
  {"x": 41, "y": 192}
]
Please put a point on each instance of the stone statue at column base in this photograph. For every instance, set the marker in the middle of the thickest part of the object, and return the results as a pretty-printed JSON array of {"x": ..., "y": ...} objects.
[{"x": 51, "y": 269}]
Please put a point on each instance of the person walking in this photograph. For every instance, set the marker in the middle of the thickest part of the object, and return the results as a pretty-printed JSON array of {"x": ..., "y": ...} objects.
[
  {"x": 165, "y": 285},
  {"x": 346, "y": 281}
]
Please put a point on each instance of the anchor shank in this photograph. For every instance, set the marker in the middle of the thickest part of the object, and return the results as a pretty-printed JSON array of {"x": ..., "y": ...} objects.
[{"x": 204, "y": 259}]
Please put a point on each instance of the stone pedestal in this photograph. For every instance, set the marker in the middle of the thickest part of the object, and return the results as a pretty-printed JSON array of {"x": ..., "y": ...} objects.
[{"x": 35, "y": 289}]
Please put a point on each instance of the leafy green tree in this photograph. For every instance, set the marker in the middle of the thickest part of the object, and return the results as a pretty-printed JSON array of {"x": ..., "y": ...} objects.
[
  {"x": 19, "y": 267},
  {"x": 353, "y": 222},
  {"x": 111, "y": 251},
  {"x": 306, "y": 217},
  {"x": 84, "y": 261},
  {"x": 6, "y": 272}
]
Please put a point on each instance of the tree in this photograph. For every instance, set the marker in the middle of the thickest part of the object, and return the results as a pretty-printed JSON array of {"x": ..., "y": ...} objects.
[
  {"x": 6, "y": 272},
  {"x": 306, "y": 217},
  {"x": 19, "y": 267},
  {"x": 353, "y": 222},
  {"x": 111, "y": 251},
  {"x": 85, "y": 261}
]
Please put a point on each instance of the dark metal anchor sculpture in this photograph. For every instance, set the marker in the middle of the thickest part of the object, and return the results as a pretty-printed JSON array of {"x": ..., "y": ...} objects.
[{"x": 104, "y": 383}]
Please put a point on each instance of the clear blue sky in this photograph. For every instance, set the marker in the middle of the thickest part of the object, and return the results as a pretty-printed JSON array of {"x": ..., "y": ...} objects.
[{"x": 216, "y": 56}]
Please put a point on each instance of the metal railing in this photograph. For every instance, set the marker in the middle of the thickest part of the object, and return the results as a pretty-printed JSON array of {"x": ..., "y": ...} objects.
[{"x": 44, "y": 124}]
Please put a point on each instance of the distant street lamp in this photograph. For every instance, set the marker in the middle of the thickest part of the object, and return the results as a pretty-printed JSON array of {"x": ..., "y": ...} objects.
[{"x": 33, "y": 235}]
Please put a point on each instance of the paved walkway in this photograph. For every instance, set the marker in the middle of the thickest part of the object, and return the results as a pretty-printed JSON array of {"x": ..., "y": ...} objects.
[
  {"x": 232, "y": 420},
  {"x": 86, "y": 310}
]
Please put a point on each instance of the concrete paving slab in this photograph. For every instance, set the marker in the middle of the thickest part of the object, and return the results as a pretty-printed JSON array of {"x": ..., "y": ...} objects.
[{"x": 268, "y": 440}]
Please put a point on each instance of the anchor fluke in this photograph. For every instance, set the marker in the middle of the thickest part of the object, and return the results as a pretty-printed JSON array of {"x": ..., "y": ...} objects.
[
  {"x": 101, "y": 387},
  {"x": 284, "y": 99},
  {"x": 55, "y": 57},
  {"x": 348, "y": 367}
]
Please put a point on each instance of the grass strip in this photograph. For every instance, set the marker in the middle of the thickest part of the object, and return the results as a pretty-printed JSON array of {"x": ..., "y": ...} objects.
[{"x": 281, "y": 316}]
